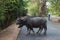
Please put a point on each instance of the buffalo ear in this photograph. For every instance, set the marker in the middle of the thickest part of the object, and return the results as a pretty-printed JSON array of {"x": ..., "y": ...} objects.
[{"x": 23, "y": 18}]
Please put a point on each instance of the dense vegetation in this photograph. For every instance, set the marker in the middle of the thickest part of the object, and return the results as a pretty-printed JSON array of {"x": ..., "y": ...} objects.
[
  {"x": 10, "y": 10},
  {"x": 37, "y": 7},
  {"x": 54, "y": 7}
]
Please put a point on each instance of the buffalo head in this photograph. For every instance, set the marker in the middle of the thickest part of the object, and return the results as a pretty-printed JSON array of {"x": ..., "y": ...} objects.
[{"x": 21, "y": 22}]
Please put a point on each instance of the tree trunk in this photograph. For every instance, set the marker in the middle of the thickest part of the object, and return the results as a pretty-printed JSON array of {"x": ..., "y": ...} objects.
[{"x": 42, "y": 8}]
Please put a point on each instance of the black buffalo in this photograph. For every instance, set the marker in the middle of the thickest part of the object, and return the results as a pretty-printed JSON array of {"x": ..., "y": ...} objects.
[{"x": 33, "y": 22}]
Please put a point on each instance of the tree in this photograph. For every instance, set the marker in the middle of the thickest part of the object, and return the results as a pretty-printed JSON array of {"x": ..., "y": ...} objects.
[
  {"x": 9, "y": 9},
  {"x": 43, "y": 7},
  {"x": 54, "y": 8}
]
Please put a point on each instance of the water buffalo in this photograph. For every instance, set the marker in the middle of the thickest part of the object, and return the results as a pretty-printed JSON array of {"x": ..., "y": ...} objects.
[{"x": 34, "y": 22}]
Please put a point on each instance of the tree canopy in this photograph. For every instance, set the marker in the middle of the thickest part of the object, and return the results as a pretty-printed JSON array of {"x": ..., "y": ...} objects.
[{"x": 54, "y": 7}]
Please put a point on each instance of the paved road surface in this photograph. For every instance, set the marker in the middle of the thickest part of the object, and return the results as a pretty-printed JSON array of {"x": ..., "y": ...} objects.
[{"x": 53, "y": 33}]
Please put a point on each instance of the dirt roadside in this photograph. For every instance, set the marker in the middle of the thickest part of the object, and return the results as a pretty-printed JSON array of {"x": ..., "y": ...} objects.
[{"x": 10, "y": 33}]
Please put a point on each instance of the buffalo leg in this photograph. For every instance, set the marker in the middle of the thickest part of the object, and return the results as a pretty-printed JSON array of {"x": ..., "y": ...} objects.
[
  {"x": 45, "y": 29},
  {"x": 32, "y": 30},
  {"x": 40, "y": 29},
  {"x": 28, "y": 31}
]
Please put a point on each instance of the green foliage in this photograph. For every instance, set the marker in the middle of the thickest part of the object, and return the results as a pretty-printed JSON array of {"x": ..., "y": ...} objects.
[
  {"x": 32, "y": 8},
  {"x": 54, "y": 8},
  {"x": 9, "y": 9}
]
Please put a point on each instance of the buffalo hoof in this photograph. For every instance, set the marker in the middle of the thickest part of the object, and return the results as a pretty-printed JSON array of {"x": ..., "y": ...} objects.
[
  {"x": 38, "y": 33},
  {"x": 27, "y": 34},
  {"x": 45, "y": 34}
]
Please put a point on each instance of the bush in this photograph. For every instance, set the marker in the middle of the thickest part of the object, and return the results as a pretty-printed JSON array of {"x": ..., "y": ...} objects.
[{"x": 9, "y": 11}]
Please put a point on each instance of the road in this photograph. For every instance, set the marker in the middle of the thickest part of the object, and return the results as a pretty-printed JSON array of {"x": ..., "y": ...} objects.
[{"x": 53, "y": 33}]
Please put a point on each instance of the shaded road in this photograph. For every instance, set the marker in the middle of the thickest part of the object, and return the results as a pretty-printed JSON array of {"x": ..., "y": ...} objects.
[{"x": 53, "y": 33}]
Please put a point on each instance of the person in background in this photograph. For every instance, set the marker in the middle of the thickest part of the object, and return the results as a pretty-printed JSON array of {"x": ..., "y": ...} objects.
[
  {"x": 35, "y": 15},
  {"x": 49, "y": 16}
]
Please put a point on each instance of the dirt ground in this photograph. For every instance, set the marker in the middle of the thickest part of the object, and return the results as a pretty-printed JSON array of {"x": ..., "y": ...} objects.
[{"x": 9, "y": 33}]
